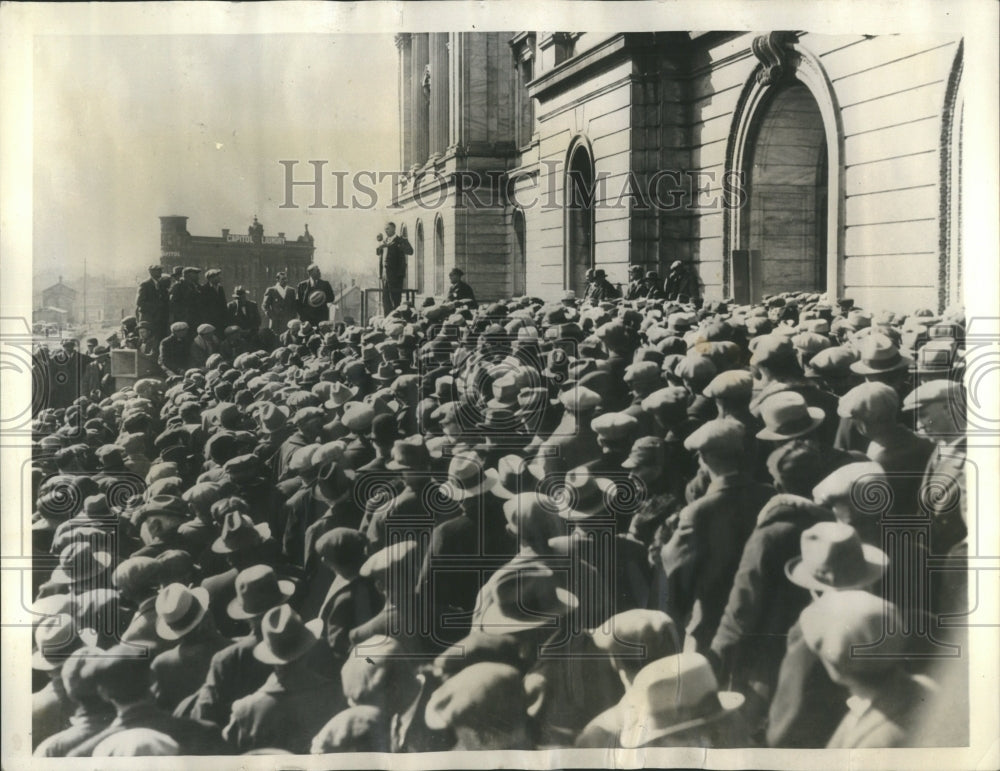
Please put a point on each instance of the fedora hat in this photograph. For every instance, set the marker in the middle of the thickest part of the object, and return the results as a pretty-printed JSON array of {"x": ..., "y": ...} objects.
[
  {"x": 499, "y": 419},
  {"x": 179, "y": 610},
  {"x": 339, "y": 394},
  {"x": 467, "y": 478},
  {"x": 670, "y": 695},
  {"x": 258, "y": 589},
  {"x": 513, "y": 477},
  {"x": 879, "y": 354},
  {"x": 526, "y": 598},
  {"x": 386, "y": 373},
  {"x": 638, "y": 634},
  {"x": 504, "y": 393},
  {"x": 273, "y": 417},
  {"x": 285, "y": 636},
  {"x": 56, "y": 637},
  {"x": 408, "y": 453},
  {"x": 936, "y": 358},
  {"x": 833, "y": 557},
  {"x": 79, "y": 562},
  {"x": 786, "y": 416},
  {"x": 583, "y": 496},
  {"x": 239, "y": 532}
]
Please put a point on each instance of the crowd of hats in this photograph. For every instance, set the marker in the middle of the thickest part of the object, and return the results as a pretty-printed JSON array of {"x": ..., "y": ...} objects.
[{"x": 241, "y": 497}]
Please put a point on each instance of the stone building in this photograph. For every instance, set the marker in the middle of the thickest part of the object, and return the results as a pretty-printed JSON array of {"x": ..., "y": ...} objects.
[
  {"x": 250, "y": 260},
  {"x": 768, "y": 161}
]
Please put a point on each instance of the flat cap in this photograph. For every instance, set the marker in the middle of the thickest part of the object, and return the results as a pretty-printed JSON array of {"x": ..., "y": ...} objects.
[
  {"x": 935, "y": 391},
  {"x": 722, "y": 433},
  {"x": 731, "y": 384},
  {"x": 869, "y": 401}
]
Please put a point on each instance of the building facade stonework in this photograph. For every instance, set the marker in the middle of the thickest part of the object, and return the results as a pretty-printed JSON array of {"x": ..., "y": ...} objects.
[{"x": 769, "y": 161}]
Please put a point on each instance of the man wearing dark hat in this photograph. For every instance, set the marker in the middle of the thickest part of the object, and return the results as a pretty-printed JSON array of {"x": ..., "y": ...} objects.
[
  {"x": 392, "y": 252},
  {"x": 459, "y": 291},
  {"x": 293, "y": 704},
  {"x": 410, "y": 457},
  {"x": 313, "y": 297},
  {"x": 308, "y": 422},
  {"x": 152, "y": 303},
  {"x": 185, "y": 299},
  {"x": 92, "y": 714},
  {"x": 601, "y": 289},
  {"x": 183, "y": 619},
  {"x": 681, "y": 284},
  {"x": 243, "y": 312},
  {"x": 234, "y": 672}
]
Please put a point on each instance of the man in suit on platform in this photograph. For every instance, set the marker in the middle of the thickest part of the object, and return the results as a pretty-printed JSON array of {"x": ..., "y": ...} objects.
[
  {"x": 459, "y": 290},
  {"x": 280, "y": 304},
  {"x": 243, "y": 312},
  {"x": 392, "y": 252},
  {"x": 313, "y": 297},
  {"x": 152, "y": 303}
]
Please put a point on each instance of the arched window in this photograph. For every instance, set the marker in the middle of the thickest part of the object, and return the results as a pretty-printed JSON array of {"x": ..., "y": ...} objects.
[
  {"x": 439, "y": 287},
  {"x": 785, "y": 146},
  {"x": 519, "y": 260},
  {"x": 418, "y": 257},
  {"x": 579, "y": 222}
]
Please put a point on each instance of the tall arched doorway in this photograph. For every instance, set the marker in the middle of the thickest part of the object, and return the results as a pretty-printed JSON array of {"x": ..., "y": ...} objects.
[
  {"x": 418, "y": 256},
  {"x": 579, "y": 225},
  {"x": 519, "y": 259},
  {"x": 785, "y": 231},
  {"x": 439, "y": 288}
]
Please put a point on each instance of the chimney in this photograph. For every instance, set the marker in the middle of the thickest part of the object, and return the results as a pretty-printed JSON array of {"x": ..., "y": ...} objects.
[{"x": 281, "y": 235}]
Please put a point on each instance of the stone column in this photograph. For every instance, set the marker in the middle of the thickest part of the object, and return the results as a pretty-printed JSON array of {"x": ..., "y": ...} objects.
[
  {"x": 406, "y": 97},
  {"x": 419, "y": 112},
  {"x": 439, "y": 102}
]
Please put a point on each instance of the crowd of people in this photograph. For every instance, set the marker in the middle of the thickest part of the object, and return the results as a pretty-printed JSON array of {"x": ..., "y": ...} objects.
[{"x": 605, "y": 523}]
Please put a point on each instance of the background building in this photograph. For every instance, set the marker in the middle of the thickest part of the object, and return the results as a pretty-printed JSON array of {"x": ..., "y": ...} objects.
[
  {"x": 55, "y": 298},
  {"x": 250, "y": 260},
  {"x": 769, "y": 162}
]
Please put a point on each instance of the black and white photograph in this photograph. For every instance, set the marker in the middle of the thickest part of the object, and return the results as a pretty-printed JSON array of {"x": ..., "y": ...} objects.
[{"x": 391, "y": 386}]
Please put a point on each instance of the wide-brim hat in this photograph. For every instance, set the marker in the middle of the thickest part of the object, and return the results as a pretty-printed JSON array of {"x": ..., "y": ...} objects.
[
  {"x": 645, "y": 729},
  {"x": 456, "y": 491},
  {"x": 799, "y": 426},
  {"x": 875, "y": 563},
  {"x": 316, "y": 298},
  {"x": 174, "y": 629},
  {"x": 238, "y": 610},
  {"x": 83, "y": 569},
  {"x": 290, "y": 640},
  {"x": 220, "y": 545},
  {"x": 585, "y": 500},
  {"x": 521, "y": 610}
]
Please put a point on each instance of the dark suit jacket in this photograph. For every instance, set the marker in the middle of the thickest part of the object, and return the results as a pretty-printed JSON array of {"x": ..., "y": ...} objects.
[
  {"x": 151, "y": 304},
  {"x": 393, "y": 266},
  {"x": 232, "y": 674},
  {"x": 348, "y": 605},
  {"x": 308, "y": 312},
  {"x": 462, "y": 291},
  {"x": 214, "y": 309},
  {"x": 180, "y": 671},
  {"x": 284, "y": 715},
  {"x": 701, "y": 558},
  {"x": 245, "y": 315}
]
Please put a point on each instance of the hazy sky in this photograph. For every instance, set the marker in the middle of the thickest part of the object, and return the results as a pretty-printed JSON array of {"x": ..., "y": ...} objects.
[{"x": 128, "y": 128}]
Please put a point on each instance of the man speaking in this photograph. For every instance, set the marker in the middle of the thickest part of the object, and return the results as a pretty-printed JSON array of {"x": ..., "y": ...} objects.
[{"x": 392, "y": 252}]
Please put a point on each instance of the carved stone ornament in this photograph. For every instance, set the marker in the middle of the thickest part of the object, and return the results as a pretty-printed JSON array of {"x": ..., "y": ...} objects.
[
  {"x": 425, "y": 80},
  {"x": 773, "y": 50}
]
